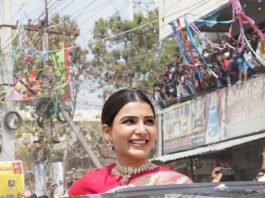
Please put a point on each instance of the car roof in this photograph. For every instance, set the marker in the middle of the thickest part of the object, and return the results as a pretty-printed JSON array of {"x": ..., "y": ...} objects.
[{"x": 196, "y": 190}]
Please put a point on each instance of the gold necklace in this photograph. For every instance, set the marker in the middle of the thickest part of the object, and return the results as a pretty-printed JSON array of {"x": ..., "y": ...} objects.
[{"x": 126, "y": 172}]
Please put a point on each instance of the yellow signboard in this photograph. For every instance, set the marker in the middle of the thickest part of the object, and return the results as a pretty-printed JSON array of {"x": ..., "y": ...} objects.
[{"x": 11, "y": 179}]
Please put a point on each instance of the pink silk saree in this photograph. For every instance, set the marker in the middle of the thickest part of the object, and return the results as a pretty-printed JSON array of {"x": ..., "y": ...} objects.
[{"x": 101, "y": 180}]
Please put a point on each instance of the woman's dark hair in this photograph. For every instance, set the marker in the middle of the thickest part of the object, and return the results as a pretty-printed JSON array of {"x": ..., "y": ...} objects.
[
  {"x": 117, "y": 100},
  {"x": 260, "y": 170}
]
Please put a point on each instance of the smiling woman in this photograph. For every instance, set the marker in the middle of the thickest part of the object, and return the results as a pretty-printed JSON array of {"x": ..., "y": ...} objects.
[{"x": 129, "y": 126}]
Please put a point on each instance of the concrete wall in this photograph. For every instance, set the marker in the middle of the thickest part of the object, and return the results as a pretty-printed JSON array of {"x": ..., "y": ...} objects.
[{"x": 171, "y": 9}]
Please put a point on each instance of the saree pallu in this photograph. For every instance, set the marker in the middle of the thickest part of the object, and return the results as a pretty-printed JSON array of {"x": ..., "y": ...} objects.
[{"x": 101, "y": 180}]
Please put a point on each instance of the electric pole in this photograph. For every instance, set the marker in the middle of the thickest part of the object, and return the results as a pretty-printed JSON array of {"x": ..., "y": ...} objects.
[
  {"x": 41, "y": 171},
  {"x": 7, "y": 140}
]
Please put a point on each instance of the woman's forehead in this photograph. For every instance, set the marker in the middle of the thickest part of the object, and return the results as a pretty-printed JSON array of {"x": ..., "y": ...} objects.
[{"x": 136, "y": 107}]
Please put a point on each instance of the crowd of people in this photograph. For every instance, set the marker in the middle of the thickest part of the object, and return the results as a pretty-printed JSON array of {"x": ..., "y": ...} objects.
[
  {"x": 219, "y": 174},
  {"x": 214, "y": 68}
]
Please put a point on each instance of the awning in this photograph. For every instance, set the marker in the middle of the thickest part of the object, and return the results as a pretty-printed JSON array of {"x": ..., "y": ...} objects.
[{"x": 209, "y": 149}]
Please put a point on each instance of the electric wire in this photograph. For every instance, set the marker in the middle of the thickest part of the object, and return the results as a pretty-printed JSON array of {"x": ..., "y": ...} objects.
[
  {"x": 52, "y": 5},
  {"x": 43, "y": 12},
  {"x": 113, "y": 36},
  {"x": 84, "y": 9},
  {"x": 66, "y": 6},
  {"x": 21, "y": 8},
  {"x": 105, "y": 4},
  {"x": 131, "y": 30},
  {"x": 144, "y": 25},
  {"x": 91, "y": 30},
  {"x": 38, "y": 9}
]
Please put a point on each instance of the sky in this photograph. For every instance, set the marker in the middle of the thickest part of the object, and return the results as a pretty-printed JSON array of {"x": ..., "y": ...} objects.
[{"x": 85, "y": 12}]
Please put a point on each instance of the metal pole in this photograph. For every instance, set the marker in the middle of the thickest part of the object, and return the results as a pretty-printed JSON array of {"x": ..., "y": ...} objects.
[
  {"x": 159, "y": 140},
  {"x": 81, "y": 138},
  {"x": 191, "y": 169},
  {"x": 41, "y": 179},
  {"x": 46, "y": 13}
]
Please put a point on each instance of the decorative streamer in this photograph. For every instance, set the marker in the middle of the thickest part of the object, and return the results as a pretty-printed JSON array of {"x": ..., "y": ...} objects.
[
  {"x": 187, "y": 44},
  {"x": 257, "y": 55},
  {"x": 212, "y": 72},
  {"x": 192, "y": 40},
  {"x": 190, "y": 35},
  {"x": 209, "y": 21},
  {"x": 12, "y": 37},
  {"x": 179, "y": 42},
  {"x": 25, "y": 85},
  {"x": 242, "y": 18},
  {"x": 204, "y": 37},
  {"x": 184, "y": 38}
]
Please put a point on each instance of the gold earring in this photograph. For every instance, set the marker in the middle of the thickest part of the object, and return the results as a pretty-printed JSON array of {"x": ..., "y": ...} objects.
[
  {"x": 110, "y": 144},
  {"x": 154, "y": 145}
]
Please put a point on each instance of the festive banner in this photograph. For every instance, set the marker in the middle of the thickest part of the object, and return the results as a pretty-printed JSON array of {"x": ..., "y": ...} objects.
[
  {"x": 67, "y": 70},
  {"x": 11, "y": 179},
  {"x": 60, "y": 68},
  {"x": 39, "y": 72}
]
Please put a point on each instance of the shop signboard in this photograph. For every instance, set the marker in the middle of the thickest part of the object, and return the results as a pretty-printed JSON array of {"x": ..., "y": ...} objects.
[
  {"x": 213, "y": 116},
  {"x": 177, "y": 127},
  {"x": 219, "y": 116},
  {"x": 11, "y": 179},
  {"x": 194, "y": 123},
  {"x": 245, "y": 108}
]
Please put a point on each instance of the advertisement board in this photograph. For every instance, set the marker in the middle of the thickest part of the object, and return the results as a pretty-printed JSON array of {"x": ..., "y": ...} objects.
[
  {"x": 245, "y": 108},
  {"x": 214, "y": 115},
  {"x": 222, "y": 115},
  {"x": 177, "y": 127},
  {"x": 11, "y": 179}
]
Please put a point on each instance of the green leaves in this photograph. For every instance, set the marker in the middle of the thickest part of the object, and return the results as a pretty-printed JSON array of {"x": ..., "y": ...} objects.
[{"x": 129, "y": 53}]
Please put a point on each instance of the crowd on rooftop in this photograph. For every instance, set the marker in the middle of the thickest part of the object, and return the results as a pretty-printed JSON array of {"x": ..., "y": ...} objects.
[{"x": 231, "y": 63}]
